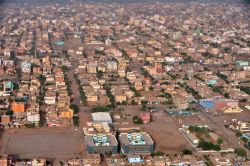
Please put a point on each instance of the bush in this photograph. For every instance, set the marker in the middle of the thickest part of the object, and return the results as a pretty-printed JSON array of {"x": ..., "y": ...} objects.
[
  {"x": 219, "y": 141},
  {"x": 30, "y": 125},
  {"x": 137, "y": 120},
  {"x": 158, "y": 153},
  {"x": 187, "y": 152},
  {"x": 241, "y": 152}
]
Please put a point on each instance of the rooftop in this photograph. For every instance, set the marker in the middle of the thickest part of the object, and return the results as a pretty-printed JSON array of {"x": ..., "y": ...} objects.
[
  {"x": 135, "y": 138},
  {"x": 101, "y": 117},
  {"x": 100, "y": 140}
]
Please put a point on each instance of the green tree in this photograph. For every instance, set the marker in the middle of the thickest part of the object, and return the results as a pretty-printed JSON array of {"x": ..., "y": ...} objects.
[
  {"x": 9, "y": 112},
  {"x": 151, "y": 88},
  {"x": 75, "y": 108},
  {"x": 241, "y": 152},
  {"x": 208, "y": 146},
  {"x": 76, "y": 120},
  {"x": 41, "y": 78},
  {"x": 99, "y": 74},
  {"x": 219, "y": 141},
  {"x": 187, "y": 152},
  {"x": 64, "y": 68},
  {"x": 137, "y": 120},
  {"x": 100, "y": 109}
]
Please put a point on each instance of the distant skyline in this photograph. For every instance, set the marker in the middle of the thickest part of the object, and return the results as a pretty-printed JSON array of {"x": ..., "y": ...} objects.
[{"x": 118, "y": 1}]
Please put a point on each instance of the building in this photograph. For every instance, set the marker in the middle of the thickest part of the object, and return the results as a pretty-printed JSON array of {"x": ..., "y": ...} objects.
[
  {"x": 92, "y": 159},
  {"x": 112, "y": 66},
  {"x": 101, "y": 117},
  {"x": 243, "y": 127},
  {"x": 136, "y": 143},
  {"x": 233, "y": 110},
  {"x": 5, "y": 119},
  {"x": 145, "y": 117},
  {"x": 134, "y": 159},
  {"x": 242, "y": 63},
  {"x": 181, "y": 103},
  {"x": 178, "y": 112},
  {"x": 18, "y": 107},
  {"x": 66, "y": 113},
  {"x": 3, "y": 161},
  {"x": 6, "y": 86},
  {"x": 33, "y": 118},
  {"x": 26, "y": 67},
  {"x": 211, "y": 82},
  {"x": 207, "y": 103},
  {"x": 101, "y": 143}
]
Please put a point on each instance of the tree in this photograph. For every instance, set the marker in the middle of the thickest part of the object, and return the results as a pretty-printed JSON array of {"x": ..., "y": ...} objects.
[
  {"x": 151, "y": 88},
  {"x": 226, "y": 95},
  {"x": 219, "y": 141},
  {"x": 42, "y": 78},
  {"x": 64, "y": 68},
  {"x": 133, "y": 102},
  {"x": 100, "y": 109},
  {"x": 208, "y": 146},
  {"x": 99, "y": 74},
  {"x": 238, "y": 134},
  {"x": 241, "y": 152},
  {"x": 75, "y": 108},
  {"x": 76, "y": 120},
  {"x": 9, "y": 112},
  {"x": 144, "y": 102}
]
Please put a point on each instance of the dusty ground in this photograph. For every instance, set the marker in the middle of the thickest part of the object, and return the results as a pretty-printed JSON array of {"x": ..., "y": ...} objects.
[
  {"x": 163, "y": 130},
  {"x": 48, "y": 143}
]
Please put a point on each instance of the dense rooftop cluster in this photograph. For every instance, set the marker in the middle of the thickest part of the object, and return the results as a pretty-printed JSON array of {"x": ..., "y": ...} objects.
[{"x": 61, "y": 62}]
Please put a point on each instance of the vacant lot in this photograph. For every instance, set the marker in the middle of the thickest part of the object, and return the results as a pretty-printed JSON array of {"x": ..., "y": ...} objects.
[
  {"x": 163, "y": 129},
  {"x": 55, "y": 143}
]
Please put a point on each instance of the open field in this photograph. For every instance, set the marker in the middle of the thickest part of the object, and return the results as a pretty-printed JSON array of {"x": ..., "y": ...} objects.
[
  {"x": 34, "y": 143},
  {"x": 163, "y": 129}
]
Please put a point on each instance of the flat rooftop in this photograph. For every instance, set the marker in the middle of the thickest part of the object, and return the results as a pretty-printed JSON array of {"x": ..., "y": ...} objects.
[
  {"x": 101, "y": 140},
  {"x": 101, "y": 117},
  {"x": 136, "y": 138}
]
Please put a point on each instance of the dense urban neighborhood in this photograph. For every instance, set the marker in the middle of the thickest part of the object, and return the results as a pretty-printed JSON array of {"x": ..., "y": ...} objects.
[{"x": 124, "y": 83}]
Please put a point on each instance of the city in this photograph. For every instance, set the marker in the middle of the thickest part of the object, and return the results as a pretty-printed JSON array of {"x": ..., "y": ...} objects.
[{"x": 88, "y": 83}]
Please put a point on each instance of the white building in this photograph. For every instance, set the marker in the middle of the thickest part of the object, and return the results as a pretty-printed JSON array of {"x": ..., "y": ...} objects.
[
  {"x": 50, "y": 100},
  {"x": 34, "y": 118},
  {"x": 26, "y": 67},
  {"x": 101, "y": 117},
  {"x": 112, "y": 66}
]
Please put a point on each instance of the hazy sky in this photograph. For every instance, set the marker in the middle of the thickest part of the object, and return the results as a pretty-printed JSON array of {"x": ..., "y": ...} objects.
[{"x": 127, "y": 1}]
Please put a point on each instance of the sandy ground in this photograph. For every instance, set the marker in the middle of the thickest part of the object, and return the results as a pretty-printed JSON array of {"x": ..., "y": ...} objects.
[
  {"x": 39, "y": 143},
  {"x": 164, "y": 131}
]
